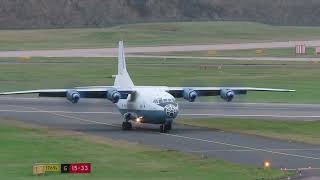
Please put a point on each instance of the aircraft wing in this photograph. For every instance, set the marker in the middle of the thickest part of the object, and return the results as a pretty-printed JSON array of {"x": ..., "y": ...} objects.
[
  {"x": 84, "y": 92},
  {"x": 178, "y": 92}
]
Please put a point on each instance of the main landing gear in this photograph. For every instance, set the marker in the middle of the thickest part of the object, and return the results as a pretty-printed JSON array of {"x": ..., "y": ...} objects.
[
  {"x": 166, "y": 127},
  {"x": 126, "y": 125}
]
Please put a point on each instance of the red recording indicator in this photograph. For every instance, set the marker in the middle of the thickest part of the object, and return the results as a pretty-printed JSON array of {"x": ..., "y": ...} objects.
[{"x": 80, "y": 168}]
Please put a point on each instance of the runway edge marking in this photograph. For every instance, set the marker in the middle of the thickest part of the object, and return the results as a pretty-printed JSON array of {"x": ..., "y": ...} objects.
[
  {"x": 67, "y": 116},
  {"x": 185, "y": 137},
  {"x": 244, "y": 147}
]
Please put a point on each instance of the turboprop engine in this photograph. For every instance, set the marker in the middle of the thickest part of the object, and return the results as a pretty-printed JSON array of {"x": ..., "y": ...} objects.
[
  {"x": 73, "y": 96},
  {"x": 227, "y": 94},
  {"x": 113, "y": 95},
  {"x": 189, "y": 94}
]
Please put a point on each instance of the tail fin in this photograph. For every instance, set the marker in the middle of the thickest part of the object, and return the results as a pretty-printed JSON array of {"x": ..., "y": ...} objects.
[{"x": 122, "y": 78}]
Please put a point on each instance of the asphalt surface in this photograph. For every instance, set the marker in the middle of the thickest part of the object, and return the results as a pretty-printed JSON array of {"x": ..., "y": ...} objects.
[
  {"x": 101, "y": 118},
  {"x": 107, "y": 52}
]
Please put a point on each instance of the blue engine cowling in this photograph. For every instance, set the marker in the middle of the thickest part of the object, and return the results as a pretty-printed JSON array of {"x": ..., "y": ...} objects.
[
  {"x": 73, "y": 96},
  {"x": 189, "y": 94},
  {"x": 113, "y": 95},
  {"x": 227, "y": 94}
]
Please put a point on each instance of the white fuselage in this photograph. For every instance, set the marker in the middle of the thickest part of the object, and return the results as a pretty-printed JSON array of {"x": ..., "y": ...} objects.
[{"x": 151, "y": 104}]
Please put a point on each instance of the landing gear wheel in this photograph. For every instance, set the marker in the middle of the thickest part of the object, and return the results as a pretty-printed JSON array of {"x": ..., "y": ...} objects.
[
  {"x": 164, "y": 128},
  {"x": 168, "y": 126},
  {"x": 126, "y": 126}
]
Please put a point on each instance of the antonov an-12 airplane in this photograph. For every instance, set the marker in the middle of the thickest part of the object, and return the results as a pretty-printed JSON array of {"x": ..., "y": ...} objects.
[{"x": 143, "y": 104}]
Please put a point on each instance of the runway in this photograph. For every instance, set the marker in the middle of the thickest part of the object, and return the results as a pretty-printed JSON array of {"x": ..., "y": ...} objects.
[
  {"x": 101, "y": 118},
  {"x": 111, "y": 52}
]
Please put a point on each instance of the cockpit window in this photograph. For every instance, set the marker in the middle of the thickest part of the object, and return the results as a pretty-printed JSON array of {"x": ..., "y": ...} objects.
[{"x": 157, "y": 101}]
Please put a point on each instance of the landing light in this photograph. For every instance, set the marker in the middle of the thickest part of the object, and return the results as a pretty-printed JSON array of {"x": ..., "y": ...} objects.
[
  {"x": 266, "y": 164},
  {"x": 139, "y": 119}
]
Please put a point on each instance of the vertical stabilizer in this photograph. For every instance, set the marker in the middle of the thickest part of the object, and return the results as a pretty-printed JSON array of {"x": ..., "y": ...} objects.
[{"x": 123, "y": 79}]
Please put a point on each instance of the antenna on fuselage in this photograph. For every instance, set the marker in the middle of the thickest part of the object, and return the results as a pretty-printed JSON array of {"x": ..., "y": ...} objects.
[{"x": 123, "y": 79}]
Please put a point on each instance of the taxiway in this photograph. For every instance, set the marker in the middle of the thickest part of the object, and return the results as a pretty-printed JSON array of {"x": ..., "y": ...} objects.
[{"x": 101, "y": 118}]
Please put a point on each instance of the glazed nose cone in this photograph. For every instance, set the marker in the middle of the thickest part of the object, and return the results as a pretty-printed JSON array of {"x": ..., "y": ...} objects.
[{"x": 171, "y": 111}]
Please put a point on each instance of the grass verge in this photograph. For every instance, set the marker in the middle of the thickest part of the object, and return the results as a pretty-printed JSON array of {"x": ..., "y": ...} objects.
[
  {"x": 153, "y": 34},
  {"x": 300, "y": 131},
  {"x": 43, "y": 73},
  {"x": 22, "y": 146},
  {"x": 274, "y": 52}
]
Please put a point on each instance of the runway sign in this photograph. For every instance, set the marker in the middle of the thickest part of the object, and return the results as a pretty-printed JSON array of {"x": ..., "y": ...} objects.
[
  {"x": 42, "y": 168},
  {"x": 259, "y": 51},
  {"x": 52, "y": 167},
  {"x": 49, "y": 167},
  {"x": 38, "y": 169},
  {"x": 317, "y": 50},
  {"x": 301, "y": 49},
  {"x": 212, "y": 52},
  {"x": 76, "y": 168},
  {"x": 25, "y": 58}
]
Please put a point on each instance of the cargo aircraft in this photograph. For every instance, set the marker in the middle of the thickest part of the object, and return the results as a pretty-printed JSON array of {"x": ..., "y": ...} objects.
[{"x": 143, "y": 104}]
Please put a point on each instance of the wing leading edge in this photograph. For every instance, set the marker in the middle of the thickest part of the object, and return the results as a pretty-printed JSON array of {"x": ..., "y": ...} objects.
[
  {"x": 216, "y": 91},
  {"x": 84, "y": 92}
]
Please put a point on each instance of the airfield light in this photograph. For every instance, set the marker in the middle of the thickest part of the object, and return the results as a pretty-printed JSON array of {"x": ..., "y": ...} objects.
[
  {"x": 266, "y": 164},
  {"x": 139, "y": 119}
]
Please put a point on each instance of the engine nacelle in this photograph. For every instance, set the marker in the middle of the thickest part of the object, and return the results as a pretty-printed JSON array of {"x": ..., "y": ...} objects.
[
  {"x": 189, "y": 94},
  {"x": 73, "y": 96},
  {"x": 227, "y": 94},
  {"x": 113, "y": 95}
]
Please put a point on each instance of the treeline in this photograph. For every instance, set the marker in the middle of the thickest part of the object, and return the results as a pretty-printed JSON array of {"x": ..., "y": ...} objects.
[{"x": 101, "y": 13}]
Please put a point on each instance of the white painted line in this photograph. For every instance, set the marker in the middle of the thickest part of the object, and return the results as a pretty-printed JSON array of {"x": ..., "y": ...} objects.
[
  {"x": 302, "y": 169},
  {"x": 250, "y": 150},
  {"x": 64, "y": 112},
  {"x": 244, "y": 147},
  {"x": 68, "y": 116},
  {"x": 116, "y": 113},
  {"x": 84, "y": 120},
  {"x": 252, "y": 115},
  {"x": 180, "y": 102},
  {"x": 250, "y": 103},
  {"x": 185, "y": 137}
]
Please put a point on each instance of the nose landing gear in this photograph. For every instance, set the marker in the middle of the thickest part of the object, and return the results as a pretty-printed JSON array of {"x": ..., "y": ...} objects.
[
  {"x": 126, "y": 125},
  {"x": 166, "y": 127}
]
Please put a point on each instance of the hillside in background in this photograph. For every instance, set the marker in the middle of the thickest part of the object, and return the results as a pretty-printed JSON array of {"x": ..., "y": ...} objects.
[{"x": 101, "y": 13}]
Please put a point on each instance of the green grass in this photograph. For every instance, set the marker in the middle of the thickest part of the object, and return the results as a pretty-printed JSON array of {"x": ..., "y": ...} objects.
[
  {"x": 153, "y": 34},
  {"x": 70, "y": 72},
  {"x": 21, "y": 147},
  {"x": 301, "y": 131},
  {"x": 274, "y": 52}
]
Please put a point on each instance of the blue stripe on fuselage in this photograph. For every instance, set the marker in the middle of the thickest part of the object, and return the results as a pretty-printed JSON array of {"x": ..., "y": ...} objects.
[{"x": 149, "y": 116}]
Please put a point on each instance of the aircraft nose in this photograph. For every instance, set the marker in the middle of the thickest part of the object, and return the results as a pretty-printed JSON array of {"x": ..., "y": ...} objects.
[{"x": 171, "y": 111}]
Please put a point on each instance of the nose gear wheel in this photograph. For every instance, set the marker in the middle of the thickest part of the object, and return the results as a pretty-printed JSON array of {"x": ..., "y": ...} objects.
[
  {"x": 126, "y": 126},
  {"x": 166, "y": 127}
]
